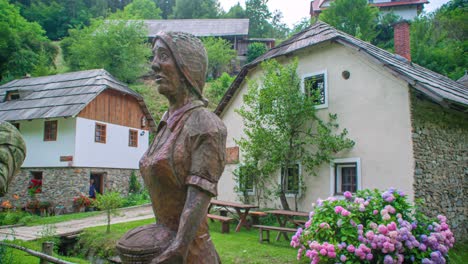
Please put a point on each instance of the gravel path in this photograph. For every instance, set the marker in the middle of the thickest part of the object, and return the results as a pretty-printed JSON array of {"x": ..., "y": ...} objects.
[{"x": 33, "y": 232}]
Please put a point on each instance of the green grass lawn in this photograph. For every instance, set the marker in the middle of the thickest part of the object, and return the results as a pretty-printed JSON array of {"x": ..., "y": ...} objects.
[
  {"x": 60, "y": 218},
  {"x": 242, "y": 247}
]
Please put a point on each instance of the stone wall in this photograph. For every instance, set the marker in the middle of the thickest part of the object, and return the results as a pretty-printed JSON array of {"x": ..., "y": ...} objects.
[
  {"x": 61, "y": 185},
  {"x": 440, "y": 142}
]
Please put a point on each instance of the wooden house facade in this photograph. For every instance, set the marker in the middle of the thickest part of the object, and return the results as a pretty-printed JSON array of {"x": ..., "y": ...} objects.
[{"x": 77, "y": 126}]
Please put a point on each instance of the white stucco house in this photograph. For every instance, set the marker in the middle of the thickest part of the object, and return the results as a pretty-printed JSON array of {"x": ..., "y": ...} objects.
[
  {"x": 409, "y": 124},
  {"x": 405, "y": 9},
  {"x": 76, "y": 126}
]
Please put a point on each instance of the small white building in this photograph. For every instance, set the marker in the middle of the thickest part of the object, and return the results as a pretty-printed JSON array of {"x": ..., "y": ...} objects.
[
  {"x": 406, "y": 9},
  {"x": 76, "y": 126}
]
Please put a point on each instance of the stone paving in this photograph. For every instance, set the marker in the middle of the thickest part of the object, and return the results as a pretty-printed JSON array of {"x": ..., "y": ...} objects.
[{"x": 33, "y": 232}]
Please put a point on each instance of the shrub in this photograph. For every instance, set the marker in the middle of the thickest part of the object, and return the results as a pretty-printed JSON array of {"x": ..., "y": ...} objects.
[
  {"x": 372, "y": 227},
  {"x": 134, "y": 199},
  {"x": 108, "y": 202}
]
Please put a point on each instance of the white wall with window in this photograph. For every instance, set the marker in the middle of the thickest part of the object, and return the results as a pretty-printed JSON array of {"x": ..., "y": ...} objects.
[
  {"x": 47, "y": 153},
  {"x": 345, "y": 175},
  {"x": 114, "y": 151}
]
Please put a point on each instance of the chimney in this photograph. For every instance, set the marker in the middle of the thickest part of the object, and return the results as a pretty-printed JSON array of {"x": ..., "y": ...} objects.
[{"x": 401, "y": 39}]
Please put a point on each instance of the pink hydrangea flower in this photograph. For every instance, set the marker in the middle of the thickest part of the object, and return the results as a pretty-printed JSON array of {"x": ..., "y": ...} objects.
[{"x": 348, "y": 195}]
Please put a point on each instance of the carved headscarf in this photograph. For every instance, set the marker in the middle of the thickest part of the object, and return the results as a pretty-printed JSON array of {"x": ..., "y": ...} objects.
[{"x": 190, "y": 56}]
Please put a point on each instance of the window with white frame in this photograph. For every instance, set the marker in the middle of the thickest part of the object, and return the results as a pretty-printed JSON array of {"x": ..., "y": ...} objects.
[
  {"x": 291, "y": 178},
  {"x": 346, "y": 175},
  {"x": 315, "y": 84}
]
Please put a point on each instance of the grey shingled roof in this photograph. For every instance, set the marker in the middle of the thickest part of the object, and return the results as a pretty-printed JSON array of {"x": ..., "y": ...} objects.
[
  {"x": 61, "y": 95},
  {"x": 437, "y": 87},
  {"x": 200, "y": 27}
]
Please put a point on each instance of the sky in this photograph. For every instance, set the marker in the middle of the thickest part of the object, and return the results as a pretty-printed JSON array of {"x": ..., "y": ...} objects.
[{"x": 294, "y": 10}]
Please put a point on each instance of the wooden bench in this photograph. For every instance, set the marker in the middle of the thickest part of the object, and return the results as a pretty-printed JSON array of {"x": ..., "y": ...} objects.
[
  {"x": 255, "y": 215},
  {"x": 274, "y": 228},
  {"x": 224, "y": 221},
  {"x": 299, "y": 223}
]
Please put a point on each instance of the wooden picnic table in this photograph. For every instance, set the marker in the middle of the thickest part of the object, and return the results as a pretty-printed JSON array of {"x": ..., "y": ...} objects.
[
  {"x": 241, "y": 209},
  {"x": 285, "y": 216}
]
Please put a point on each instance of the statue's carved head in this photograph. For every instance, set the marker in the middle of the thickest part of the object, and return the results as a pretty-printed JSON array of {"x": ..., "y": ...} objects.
[{"x": 190, "y": 56}]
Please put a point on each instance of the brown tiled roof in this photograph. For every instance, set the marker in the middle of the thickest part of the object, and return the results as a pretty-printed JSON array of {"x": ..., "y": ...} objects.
[
  {"x": 437, "y": 87},
  {"x": 200, "y": 27}
]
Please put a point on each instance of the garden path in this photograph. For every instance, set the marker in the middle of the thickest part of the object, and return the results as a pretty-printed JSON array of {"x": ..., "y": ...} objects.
[{"x": 34, "y": 232}]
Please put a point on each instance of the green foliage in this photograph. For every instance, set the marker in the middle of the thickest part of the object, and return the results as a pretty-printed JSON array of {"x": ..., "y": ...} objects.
[
  {"x": 220, "y": 55},
  {"x": 21, "y": 42},
  {"x": 166, "y": 7},
  {"x": 118, "y": 46},
  {"x": 282, "y": 127},
  {"x": 157, "y": 104},
  {"x": 254, "y": 50},
  {"x": 134, "y": 186},
  {"x": 218, "y": 87},
  {"x": 384, "y": 28},
  {"x": 108, "y": 202},
  {"x": 139, "y": 9},
  {"x": 438, "y": 40},
  {"x": 236, "y": 11},
  {"x": 13, "y": 217},
  {"x": 354, "y": 17},
  {"x": 134, "y": 199},
  {"x": 259, "y": 15},
  {"x": 196, "y": 9}
]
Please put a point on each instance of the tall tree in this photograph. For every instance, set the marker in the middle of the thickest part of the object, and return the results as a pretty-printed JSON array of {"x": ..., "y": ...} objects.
[
  {"x": 236, "y": 11},
  {"x": 220, "y": 55},
  {"x": 23, "y": 44},
  {"x": 354, "y": 17},
  {"x": 196, "y": 9},
  {"x": 259, "y": 15},
  {"x": 142, "y": 9},
  {"x": 119, "y": 46},
  {"x": 282, "y": 127},
  {"x": 439, "y": 40},
  {"x": 166, "y": 7}
]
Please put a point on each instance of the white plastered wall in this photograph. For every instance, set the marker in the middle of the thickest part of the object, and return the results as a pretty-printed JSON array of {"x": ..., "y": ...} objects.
[{"x": 372, "y": 105}]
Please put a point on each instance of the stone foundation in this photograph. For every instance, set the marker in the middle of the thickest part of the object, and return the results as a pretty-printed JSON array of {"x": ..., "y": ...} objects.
[
  {"x": 440, "y": 143},
  {"x": 61, "y": 185}
]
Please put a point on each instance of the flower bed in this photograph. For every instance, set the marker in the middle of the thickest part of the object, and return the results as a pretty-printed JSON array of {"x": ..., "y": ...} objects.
[{"x": 372, "y": 227}]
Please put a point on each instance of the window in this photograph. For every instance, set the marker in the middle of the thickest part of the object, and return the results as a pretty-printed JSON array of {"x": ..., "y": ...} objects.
[
  {"x": 346, "y": 175},
  {"x": 316, "y": 85},
  {"x": 100, "y": 133},
  {"x": 50, "y": 130},
  {"x": 246, "y": 184},
  {"x": 133, "y": 138},
  {"x": 12, "y": 95},
  {"x": 35, "y": 184},
  {"x": 292, "y": 181}
]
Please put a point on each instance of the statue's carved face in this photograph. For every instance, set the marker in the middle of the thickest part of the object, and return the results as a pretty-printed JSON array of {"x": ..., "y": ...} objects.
[{"x": 168, "y": 76}]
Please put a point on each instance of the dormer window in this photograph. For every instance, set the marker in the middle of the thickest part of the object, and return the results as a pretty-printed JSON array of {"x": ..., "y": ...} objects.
[{"x": 12, "y": 95}]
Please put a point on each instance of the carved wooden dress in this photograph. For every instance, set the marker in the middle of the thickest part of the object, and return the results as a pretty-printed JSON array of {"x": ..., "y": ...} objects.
[{"x": 189, "y": 149}]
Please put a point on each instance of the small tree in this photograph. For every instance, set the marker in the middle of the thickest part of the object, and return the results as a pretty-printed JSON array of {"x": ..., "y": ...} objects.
[
  {"x": 134, "y": 185},
  {"x": 282, "y": 127},
  {"x": 119, "y": 46},
  {"x": 108, "y": 202},
  {"x": 220, "y": 55},
  {"x": 218, "y": 87},
  {"x": 255, "y": 50}
]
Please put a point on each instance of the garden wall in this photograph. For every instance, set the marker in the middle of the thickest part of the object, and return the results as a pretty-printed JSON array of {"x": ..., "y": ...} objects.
[
  {"x": 440, "y": 143},
  {"x": 61, "y": 185}
]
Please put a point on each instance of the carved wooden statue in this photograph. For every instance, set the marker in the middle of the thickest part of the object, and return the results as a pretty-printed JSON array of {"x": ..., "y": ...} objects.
[
  {"x": 12, "y": 154},
  {"x": 183, "y": 165}
]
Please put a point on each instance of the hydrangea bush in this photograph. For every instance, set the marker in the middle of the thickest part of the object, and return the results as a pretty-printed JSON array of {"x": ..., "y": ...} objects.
[{"x": 371, "y": 226}]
